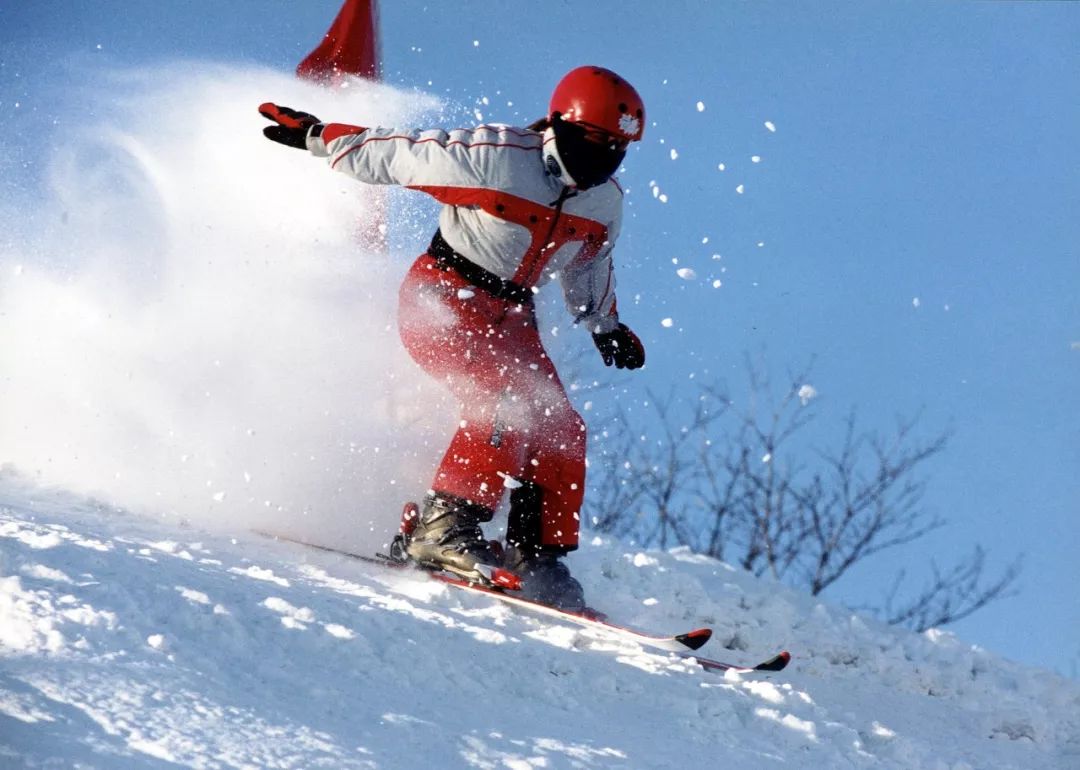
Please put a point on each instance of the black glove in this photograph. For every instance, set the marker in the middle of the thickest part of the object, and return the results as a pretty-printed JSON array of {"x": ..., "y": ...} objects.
[
  {"x": 292, "y": 126},
  {"x": 621, "y": 347}
]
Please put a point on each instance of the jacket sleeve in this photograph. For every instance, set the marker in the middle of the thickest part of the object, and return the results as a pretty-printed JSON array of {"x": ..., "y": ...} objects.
[
  {"x": 589, "y": 285},
  {"x": 406, "y": 157}
]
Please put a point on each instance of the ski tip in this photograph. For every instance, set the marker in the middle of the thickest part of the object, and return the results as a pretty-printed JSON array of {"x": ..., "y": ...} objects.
[
  {"x": 696, "y": 639},
  {"x": 775, "y": 663}
]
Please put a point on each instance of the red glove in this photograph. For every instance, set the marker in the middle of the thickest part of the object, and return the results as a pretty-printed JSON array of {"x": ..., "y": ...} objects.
[
  {"x": 292, "y": 125},
  {"x": 621, "y": 347}
]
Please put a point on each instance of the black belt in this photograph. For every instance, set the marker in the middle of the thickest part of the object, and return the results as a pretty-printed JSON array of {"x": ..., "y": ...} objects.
[{"x": 449, "y": 259}]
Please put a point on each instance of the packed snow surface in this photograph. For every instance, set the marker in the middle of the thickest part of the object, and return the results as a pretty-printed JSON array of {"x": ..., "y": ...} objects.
[{"x": 128, "y": 642}]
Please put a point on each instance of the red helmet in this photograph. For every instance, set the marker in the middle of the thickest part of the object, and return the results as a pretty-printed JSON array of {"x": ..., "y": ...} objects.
[{"x": 598, "y": 99}]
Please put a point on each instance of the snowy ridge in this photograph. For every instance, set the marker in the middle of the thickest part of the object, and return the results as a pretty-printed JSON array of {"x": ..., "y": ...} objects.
[{"x": 132, "y": 643}]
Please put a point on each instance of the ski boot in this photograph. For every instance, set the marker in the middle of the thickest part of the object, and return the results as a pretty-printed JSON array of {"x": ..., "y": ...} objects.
[
  {"x": 545, "y": 578},
  {"x": 445, "y": 535}
]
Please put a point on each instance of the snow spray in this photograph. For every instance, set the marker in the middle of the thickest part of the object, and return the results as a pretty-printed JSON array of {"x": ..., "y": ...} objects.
[{"x": 190, "y": 327}]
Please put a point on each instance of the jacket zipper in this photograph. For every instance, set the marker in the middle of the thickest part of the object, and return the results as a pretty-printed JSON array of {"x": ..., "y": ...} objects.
[{"x": 567, "y": 192}]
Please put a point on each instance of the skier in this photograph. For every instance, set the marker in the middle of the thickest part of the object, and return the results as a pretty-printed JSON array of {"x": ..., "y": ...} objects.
[{"x": 522, "y": 206}]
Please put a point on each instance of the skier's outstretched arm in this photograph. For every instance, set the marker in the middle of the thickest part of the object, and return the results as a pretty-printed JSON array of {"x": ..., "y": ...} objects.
[{"x": 406, "y": 157}]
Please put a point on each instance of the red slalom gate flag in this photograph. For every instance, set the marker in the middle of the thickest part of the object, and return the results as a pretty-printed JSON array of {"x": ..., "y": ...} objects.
[{"x": 350, "y": 47}]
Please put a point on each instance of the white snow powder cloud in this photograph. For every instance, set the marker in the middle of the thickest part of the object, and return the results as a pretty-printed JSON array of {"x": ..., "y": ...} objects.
[{"x": 194, "y": 329}]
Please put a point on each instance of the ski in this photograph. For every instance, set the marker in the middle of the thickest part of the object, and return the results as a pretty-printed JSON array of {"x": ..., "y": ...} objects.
[{"x": 499, "y": 587}]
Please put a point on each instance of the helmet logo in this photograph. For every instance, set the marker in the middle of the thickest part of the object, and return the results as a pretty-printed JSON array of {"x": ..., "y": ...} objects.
[{"x": 629, "y": 125}]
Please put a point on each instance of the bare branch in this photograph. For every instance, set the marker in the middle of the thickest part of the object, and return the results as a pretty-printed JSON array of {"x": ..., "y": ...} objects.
[
  {"x": 759, "y": 495},
  {"x": 953, "y": 594}
]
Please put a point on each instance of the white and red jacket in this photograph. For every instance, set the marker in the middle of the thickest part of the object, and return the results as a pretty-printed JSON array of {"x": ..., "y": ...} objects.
[{"x": 505, "y": 211}]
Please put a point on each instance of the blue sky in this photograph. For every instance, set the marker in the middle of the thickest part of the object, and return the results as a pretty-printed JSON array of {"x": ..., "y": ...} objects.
[{"x": 916, "y": 205}]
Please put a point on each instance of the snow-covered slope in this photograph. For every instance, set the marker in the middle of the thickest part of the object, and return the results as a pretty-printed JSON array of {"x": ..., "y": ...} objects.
[
  {"x": 180, "y": 333},
  {"x": 126, "y": 643}
]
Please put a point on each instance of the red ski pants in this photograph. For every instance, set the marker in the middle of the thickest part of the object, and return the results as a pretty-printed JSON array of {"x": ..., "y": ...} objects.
[{"x": 517, "y": 425}]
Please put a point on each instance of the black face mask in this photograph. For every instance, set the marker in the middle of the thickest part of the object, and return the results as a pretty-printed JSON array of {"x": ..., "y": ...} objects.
[{"x": 589, "y": 163}]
